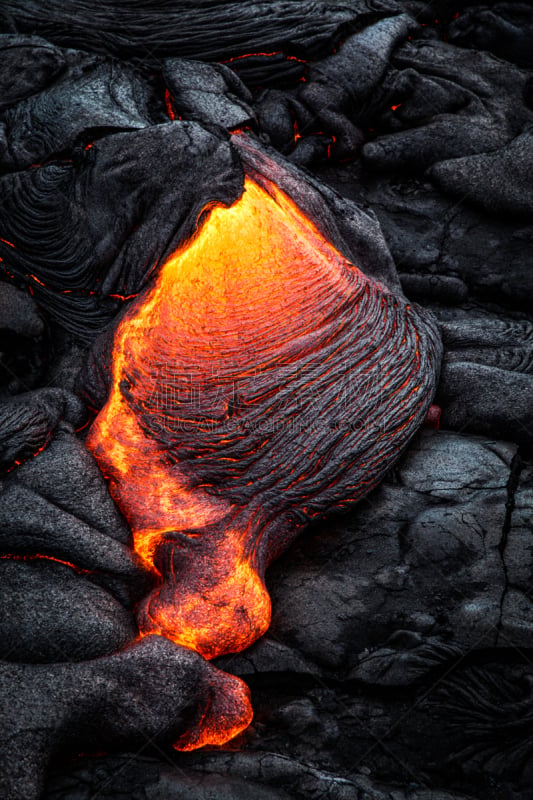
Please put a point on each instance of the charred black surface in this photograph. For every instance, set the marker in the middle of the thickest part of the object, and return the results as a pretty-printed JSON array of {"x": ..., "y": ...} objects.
[{"x": 208, "y": 30}]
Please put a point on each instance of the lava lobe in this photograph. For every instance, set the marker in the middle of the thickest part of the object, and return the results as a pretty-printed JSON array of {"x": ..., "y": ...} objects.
[{"x": 259, "y": 381}]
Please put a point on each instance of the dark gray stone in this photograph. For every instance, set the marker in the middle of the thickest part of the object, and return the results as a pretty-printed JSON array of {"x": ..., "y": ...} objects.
[
  {"x": 28, "y": 421},
  {"x": 310, "y": 149},
  {"x": 267, "y": 656},
  {"x": 152, "y": 691},
  {"x": 57, "y": 504},
  {"x": 276, "y": 117},
  {"x": 66, "y": 475},
  {"x": 488, "y": 338},
  {"x": 519, "y": 541},
  {"x": 129, "y": 776},
  {"x": 27, "y": 65},
  {"x": 449, "y": 103},
  {"x": 305, "y": 780},
  {"x": 18, "y": 312},
  {"x": 503, "y": 28},
  {"x": 93, "y": 95},
  {"x": 70, "y": 357},
  {"x": 204, "y": 32},
  {"x": 486, "y": 379},
  {"x": 31, "y": 524},
  {"x": 439, "y": 288},
  {"x": 339, "y": 87},
  {"x": 486, "y": 399},
  {"x": 208, "y": 94},
  {"x": 422, "y": 555},
  {"x": 406, "y": 658},
  {"x": 50, "y": 613},
  {"x": 23, "y": 342},
  {"x": 431, "y": 235},
  {"x": 499, "y": 182}
]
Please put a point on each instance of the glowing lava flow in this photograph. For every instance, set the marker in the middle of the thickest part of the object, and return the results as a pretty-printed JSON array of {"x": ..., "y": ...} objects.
[
  {"x": 212, "y": 308},
  {"x": 218, "y": 423}
]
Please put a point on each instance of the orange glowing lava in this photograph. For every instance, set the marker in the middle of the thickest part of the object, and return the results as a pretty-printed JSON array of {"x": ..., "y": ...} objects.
[
  {"x": 256, "y": 290},
  {"x": 214, "y": 298}
]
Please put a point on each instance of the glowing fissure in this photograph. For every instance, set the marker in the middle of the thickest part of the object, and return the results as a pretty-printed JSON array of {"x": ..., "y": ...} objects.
[{"x": 217, "y": 434}]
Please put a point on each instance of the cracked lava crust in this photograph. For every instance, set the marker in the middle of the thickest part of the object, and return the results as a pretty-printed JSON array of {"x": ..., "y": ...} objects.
[{"x": 259, "y": 381}]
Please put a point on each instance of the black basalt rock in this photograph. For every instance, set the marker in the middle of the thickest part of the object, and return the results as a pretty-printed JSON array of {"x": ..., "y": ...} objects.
[
  {"x": 28, "y": 65},
  {"x": 449, "y": 103},
  {"x": 28, "y": 421},
  {"x": 210, "y": 94},
  {"x": 112, "y": 215},
  {"x": 51, "y": 613},
  {"x": 23, "y": 341},
  {"x": 52, "y": 708},
  {"x": 398, "y": 663},
  {"x": 502, "y": 28}
]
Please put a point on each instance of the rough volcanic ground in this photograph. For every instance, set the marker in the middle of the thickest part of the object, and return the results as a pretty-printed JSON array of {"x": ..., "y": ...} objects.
[{"x": 399, "y": 662}]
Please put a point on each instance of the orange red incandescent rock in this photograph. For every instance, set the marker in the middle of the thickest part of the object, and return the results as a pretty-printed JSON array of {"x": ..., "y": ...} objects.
[{"x": 247, "y": 328}]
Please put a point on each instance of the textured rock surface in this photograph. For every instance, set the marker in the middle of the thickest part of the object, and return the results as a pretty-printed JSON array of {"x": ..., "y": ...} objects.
[
  {"x": 503, "y": 28},
  {"x": 398, "y": 665},
  {"x": 106, "y": 702},
  {"x": 435, "y": 239},
  {"x": 106, "y": 187},
  {"x": 209, "y": 94},
  {"x": 29, "y": 420},
  {"x": 450, "y": 103},
  {"x": 51, "y": 613},
  {"x": 57, "y": 505},
  {"x": 420, "y": 561},
  {"x": 113, "y": 778},
  {"x": 179, "y": 28},
  {"x": 219, "y": 776},
  {"x": 29, "y": 64}
]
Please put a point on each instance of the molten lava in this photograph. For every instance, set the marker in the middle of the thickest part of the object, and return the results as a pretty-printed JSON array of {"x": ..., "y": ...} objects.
[
  {"x": 218, "y": 429},
  {"x": 215, "y": 298}
]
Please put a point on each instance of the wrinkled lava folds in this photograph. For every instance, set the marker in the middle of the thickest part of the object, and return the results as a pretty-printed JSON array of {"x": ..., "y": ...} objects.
[{"x": 259, "y": 381}]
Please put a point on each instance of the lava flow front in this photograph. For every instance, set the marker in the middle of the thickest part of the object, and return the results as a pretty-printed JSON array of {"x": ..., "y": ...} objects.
[{"x": 219, "y": 430}]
